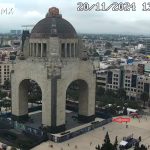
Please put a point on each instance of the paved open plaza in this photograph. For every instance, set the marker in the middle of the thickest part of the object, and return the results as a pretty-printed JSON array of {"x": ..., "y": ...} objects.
[{"x": 89, "y": 140}]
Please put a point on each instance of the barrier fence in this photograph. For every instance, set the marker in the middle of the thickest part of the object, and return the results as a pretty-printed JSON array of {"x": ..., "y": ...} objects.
[
  {"x": 73, "y": 134},
  {"x": 23, "y": 128}
]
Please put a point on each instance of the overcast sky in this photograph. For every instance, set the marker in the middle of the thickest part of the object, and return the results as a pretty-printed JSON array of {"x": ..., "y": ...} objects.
[{"x": 28, "y": 12}]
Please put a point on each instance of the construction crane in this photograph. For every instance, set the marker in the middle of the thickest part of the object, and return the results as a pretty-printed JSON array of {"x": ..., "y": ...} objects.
[{"x": 27, "y": 26}]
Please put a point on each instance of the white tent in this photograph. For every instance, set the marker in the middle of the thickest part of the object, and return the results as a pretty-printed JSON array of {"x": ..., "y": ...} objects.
[{"x": 123, "y": 143}]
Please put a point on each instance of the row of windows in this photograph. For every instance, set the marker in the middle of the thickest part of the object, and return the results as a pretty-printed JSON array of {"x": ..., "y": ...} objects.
[
  {"x": 127, "y": 81},
  {"x": 140, "y": 87},
  {"x": 115, "y": 79},
  {"x": 115, "y": 75},
  {"x": 128, "y": 77},
  {"x": 4, "y": 72},
  {"x": 114, "y": 87},
  {"x": 5, "y": 67},
  {"x": 139, "y": 91},
  {"x": 69, "y": 50},
  {"x": 140, "y": 82},
  {"x": 116, "y": 83},
  {"x": 128, "y": 89},
  {"x": 127, "y": 84},
  {"x": 38, "y": 49}
]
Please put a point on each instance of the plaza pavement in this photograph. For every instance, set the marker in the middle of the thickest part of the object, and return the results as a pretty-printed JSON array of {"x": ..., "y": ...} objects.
[{"x": 89, "y": 140}]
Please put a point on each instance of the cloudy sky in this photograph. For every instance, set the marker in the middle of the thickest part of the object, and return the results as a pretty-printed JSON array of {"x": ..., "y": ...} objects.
[{"x": 29, "y": 12}]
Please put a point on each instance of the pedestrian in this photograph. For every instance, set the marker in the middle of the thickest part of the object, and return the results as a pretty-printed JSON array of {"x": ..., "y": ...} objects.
[
  {"x": 90, "y": 143},
  {"x": 146, "y": 117}
]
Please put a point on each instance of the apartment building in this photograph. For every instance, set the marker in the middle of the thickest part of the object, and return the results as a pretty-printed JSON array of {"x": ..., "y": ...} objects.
[
  {"x": 5, "y": 70},
  {"x": 129, "y": 77},
  {"x": 109, "y": 79}
]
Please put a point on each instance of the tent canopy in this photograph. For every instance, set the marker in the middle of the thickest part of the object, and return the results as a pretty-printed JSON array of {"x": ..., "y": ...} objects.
[{"x": 123, "y": 143}]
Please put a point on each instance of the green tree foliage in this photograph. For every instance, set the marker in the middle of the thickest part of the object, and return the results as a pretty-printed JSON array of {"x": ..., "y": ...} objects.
[
  {"x": 110, "y": 92},
  {"x": 100, "y": 91},
  {"x": 34, "y": 92},
  {"x": 144, "y": 97},
  {"x": 98, "y": 147},
  {"x": 7, "y": 84},
  {"x": 116, "y": 143},
  {"x": 73, "y": 91},
  {"x": 3, "y": 94},
  {"x": 121, "y": 93},
  {"x": 107, "y": 144}
]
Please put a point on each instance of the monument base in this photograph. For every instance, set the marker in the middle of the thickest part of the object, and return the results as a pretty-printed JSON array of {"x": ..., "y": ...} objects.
[
  {"x": 20, "y": 118},
  {"x": 86, "y": 119},
  {"x": 56, "y": 129}
]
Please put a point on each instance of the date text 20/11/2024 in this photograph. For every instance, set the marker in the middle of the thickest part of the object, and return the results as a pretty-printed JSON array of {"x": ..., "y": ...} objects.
[{"x": 102, "y": 6}]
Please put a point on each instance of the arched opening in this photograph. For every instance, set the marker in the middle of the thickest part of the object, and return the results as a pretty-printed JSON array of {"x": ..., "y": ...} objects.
[
  {"x": 77, "y": 95},
  {"x": 30, "y": 103}
]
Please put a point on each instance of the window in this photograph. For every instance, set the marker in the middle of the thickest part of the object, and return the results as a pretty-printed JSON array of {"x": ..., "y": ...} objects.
[
  {"x": 44, "y": 49},
  {"x": 72, "y": 50},
  {"x": 68, "y": 50},
  {"x": 63, "y": 50}
]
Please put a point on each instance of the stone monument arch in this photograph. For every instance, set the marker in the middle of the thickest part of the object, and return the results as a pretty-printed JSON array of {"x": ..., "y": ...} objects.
[{"x": 51, "y": 57}]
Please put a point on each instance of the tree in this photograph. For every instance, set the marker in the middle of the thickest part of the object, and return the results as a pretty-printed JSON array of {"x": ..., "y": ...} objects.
[
  {"x": 121, "y": 93},
  {"x": 3, "y": 94},
  {"x": 107, "y": 144},
  {"x": 7, "y": 84},
  {"x": 98, "y": 147},
  {"x": 34, "y": 92},
  {"x": 144, "y": 97},
  {"x": 110, "y": 93},
  {"x": 100, "y": 91},
  {"x": 116, "y": 143}
]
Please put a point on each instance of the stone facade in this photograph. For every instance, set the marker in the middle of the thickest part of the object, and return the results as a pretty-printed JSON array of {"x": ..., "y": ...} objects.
[{"x": 54, "y": 72}]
